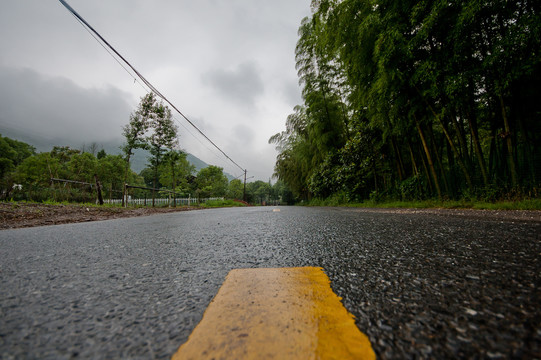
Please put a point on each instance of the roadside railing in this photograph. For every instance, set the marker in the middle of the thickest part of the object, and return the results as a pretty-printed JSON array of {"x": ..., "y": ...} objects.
[{"x": 163, "y": 201}]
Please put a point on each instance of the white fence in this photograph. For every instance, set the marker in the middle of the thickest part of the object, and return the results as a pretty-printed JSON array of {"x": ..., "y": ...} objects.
[{"x": 162, "y": 201}]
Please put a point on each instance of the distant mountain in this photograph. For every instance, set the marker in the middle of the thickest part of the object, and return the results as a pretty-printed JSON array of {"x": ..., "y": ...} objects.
[
  {"x": 139, "y": 162},
  {"x": 200, "y": 164},
  {"x": 46, "y": 143},
  {"x": 195, "y": 161}
]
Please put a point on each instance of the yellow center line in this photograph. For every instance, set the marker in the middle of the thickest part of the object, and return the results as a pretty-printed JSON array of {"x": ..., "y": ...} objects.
[{"x": 286, "y": 313}]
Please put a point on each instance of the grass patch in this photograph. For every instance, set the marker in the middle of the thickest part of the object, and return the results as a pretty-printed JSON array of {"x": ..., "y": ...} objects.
[
  {"x": 221, "y": 204},
  {"x": 531, "y": 204}
]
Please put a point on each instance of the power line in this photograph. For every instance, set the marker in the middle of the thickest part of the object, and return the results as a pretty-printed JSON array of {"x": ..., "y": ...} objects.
[
  {"x": 110, "y": 53},
  {"x": 143, "y": 79},
  {"x": 142, "y": 86}
]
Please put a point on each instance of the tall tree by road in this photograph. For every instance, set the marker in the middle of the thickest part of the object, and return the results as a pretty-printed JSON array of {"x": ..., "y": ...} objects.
[
  {"x": 162, "y": 139},
  {"x": 134, "y": 133}
]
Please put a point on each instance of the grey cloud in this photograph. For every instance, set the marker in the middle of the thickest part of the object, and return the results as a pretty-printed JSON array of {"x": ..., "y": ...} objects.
[
  {"x": 242, "y": 137},
  {"x": 244, "y": 48},
  {"x": 242, "y": 85},
  {"x": 56, "y": 109},
  {"x": 292, "y": 93}
]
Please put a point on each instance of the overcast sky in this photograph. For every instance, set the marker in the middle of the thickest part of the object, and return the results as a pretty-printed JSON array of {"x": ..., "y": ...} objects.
[{"x": 229, "y": 65}]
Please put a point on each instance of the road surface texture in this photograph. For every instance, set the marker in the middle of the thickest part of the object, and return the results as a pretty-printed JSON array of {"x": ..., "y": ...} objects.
[{"x": 422, "y": 284}]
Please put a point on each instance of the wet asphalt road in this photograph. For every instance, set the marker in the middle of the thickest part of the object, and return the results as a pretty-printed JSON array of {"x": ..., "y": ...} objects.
[{"x": 434, "y": 285}]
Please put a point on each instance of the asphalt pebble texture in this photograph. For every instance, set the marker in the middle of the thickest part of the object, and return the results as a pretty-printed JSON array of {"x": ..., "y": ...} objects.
[{"x": 422, "y": 284}]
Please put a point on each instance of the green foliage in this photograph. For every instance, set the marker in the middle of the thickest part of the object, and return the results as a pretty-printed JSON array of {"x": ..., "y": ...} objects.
[
  {"x": 136, "y": 130},
  {"x": 82, "y": 167},
  {"x": 337, "y": 200},
  {"x": 211, "y": 182},
  {"x": 110, "y": 169},
  {"x": 412, "y": 188},
  {"x": 31, "y": 178},
  {"x": 235, "y": 189},
  {"x": 37, "y": 170},
  {"x": 101, "y": 154},
  {"x": 265, "y": 193},
  {"x": 408, "y": 100},
  {"x": 148, "y": 177},
  {"x": 258, "y": 192},
  {"x": 13, "y": 153},
  {"x": 222, "y": 203},
  {"x": 175, "y": 171},
  {"x": 151, "y": 127},
  {"x": 282, "y": 194},
  {"x": 163, "y": 137}
]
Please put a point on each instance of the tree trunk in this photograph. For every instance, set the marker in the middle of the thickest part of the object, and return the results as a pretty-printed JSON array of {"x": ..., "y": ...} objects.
[
  {"x": 461, "y": 139},
  {"x": 477, "y": 147},
  {"x": 450, "y": 140},
  {"x": 455, "y": 151},
  {"x": 124, "y": 189},
  {"x": 413, "y": 163},
  {"x": 154, "y": 187},
  {"x": 155, "y": 178},
  {"x": 509, "y": 141},
  {"x": 398, "y": 158},
  {"x": 427, "y": 174},
  {"x": 429, "y": 158},
  {"x": 174, "y": 185},
  {"x": 438, "y": 159},
  {"x": 414, "y": 166},
  {"x": 374, "y": 170},
  {"x": 527, "y": 152},
  {"x": 98, "y": 188}
]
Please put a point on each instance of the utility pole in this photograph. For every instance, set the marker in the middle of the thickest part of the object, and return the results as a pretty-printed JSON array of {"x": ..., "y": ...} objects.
[{"x": 244, "y": 197}]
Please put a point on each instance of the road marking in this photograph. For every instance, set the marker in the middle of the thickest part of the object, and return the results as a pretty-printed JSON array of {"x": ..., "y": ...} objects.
[
  {"x": 275, "y": 210},
  {"x": 287, "y": 313}
]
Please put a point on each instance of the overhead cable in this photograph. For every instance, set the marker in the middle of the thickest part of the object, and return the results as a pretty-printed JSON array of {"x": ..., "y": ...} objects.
[{"x": 143, "y": 79}]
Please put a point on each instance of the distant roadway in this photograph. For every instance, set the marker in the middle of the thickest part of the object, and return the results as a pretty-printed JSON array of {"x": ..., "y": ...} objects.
[{"x": 421, "y": 284}]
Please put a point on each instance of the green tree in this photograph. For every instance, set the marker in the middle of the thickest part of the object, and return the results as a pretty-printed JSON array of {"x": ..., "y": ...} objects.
[
  {"x": 147, "y": 174},
  {"x": 162, "y": 139},
  {"x": 258, "y": 192},
  {"x": 12, "y": 154},
  {"x": 175, "y": 171},
  {"x": 211, "y": 182},
  {"x": 110, "y": 171},
  {"x": 82, "y": 167},
  {"x": 34, "y": 174},
  {"x": 293, "y": 164},
  {"x": 134, "y": 132},
  {"x": 282, "y": 194},
  {"x": 101, "y": 154},
  {"x": 440, "y": 95},
  {"x": 36, "y": 170},
  {"x": 235, "y": 189}
]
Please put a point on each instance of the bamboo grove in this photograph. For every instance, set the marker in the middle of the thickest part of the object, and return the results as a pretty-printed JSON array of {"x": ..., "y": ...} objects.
[{"x": 416, "y": 99}]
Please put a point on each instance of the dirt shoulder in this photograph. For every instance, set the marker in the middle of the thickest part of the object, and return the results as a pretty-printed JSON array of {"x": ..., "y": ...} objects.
[{"x": 20, "y": 215}]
